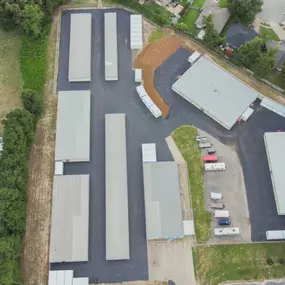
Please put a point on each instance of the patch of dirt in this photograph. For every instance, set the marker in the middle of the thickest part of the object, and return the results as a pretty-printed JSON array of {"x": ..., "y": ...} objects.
[
  {"x": 136, "y": 283},
  {"x": 35, "y": 257},
  {"x": 151, "y": 58}
]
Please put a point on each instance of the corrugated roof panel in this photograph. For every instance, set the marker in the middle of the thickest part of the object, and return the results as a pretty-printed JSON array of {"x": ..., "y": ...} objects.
[
  {"x": 136, "y": 26},
  {"x": 274, "y": 144},
  {"x": 215, "y": 91},
  {"x": 73, "y": 126},
  {"x": 79, "y": 68},
  {"x": 162, "y": 200},
  {"x": 68, "y": 278},
  {"x": 111, "y": 52},
  {"x": 70, "y": 219},
  {"x": 117, "y": 214},
  {"x": 52, "y": 279},
  {"x": 81, "y": 281}
]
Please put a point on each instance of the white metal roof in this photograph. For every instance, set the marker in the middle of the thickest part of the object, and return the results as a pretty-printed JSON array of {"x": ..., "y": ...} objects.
[
  {"x": 60, "y": 277},
  {"x": 79, "y": 68},
  {"x": 138, "y": 75},
  {"x": 136, "y": 26},
  {"x": 111, "y": 52},
  {"x": 188, "y": 226},
  {"x": 58, "y": 168},
  {"x": 246, "y": 114},
  {"x": 73, "y": 126},
  {"x": 162, "y": 200},
  {"x": 273, "y": 106},
  {"x": 70, "y": 219},
  {"x": 275, "y": 235},
  {"x": 117, "y": 214},
  {"x": 194, "y": 57},
  {"x": 215, "y": 91},
  {"x": 81, "y": 281},
  {"x": 274, "y": 145},
  {"x": 148, "y": 152}
]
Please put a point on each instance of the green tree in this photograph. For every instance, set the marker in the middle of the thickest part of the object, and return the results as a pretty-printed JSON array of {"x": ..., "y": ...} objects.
[
  {"x": 250, "y": 52},
  {"x": 10, "y": 272},
  {"x": 282, "y": 73},
  {"x": 181, "y": 27},
  {"x": 32, "y": 102},
  {"x": 211, "y": 38},
  {"x": 264, "y": 65},
  {"x": 245, "y": 10}
]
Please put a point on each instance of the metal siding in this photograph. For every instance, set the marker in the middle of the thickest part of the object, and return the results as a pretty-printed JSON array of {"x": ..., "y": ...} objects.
[
  {"x": 79, "y": 68},
  {"x": 70, "y": 219},
  {"x": 274, "y": 144},
  {"x": 73, "y": 126},
  {"x": 111, "y": 52},
  {"x": 117, "y": 215},
  {"x": 162, "y": 200},
  {"x": 218, "y": 93},
  {"x": 136, "y": 35}
]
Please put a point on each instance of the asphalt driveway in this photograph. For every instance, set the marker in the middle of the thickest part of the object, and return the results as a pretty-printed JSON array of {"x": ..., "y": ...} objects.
[{"x": 272, "y": 11}]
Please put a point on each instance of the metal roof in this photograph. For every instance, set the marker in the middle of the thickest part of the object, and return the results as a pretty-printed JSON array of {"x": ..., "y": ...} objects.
[
  {"x": 216, "y": 92},
  {"x": 273, "y": 106},
  {"x": 80, "y": 48},
  {"x": 117, "y": 213},
  {"x": 73, "y": 126},
  {"x": 111, "y": 52},
  {"x": 61, "y": 277},
  {"x": 162, "y": 200},
  {"x": 70, "y": 219},
  {"x": 81, "y": 281},
  {"x": 274, "y": 145},
  {"x": 136, "y": 39}
]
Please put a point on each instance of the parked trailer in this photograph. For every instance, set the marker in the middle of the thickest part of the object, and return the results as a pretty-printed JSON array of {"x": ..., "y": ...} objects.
[
  {"x": 210, "y": 158},
  {"x": 275, "y": 235},
  {"x": 215, "y": 166},
  {"x": 216, "y": 196},
  {"x": 221, "y": 214},
  {"x": 205, "y": 145},
  {"x": 217, "y": 205},
  {"x": 226, "y": 231}
]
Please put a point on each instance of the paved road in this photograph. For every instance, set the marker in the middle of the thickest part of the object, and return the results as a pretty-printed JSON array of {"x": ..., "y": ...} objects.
[
  {"x": 272, "y": 11},
  {"x": 120, "y": 96}
]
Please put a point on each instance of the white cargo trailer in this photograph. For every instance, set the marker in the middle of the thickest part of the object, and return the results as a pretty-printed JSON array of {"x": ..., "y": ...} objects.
[
  {"x": 215, "y": 166},
  {"x": 205, "y": 145},
  {"x": 216, "y": 196},
  {"x": 275, "y": 235},
  {"x": 194, "y": 57},
  {"x": 221, "y": 214},
  {"x": 226, "y": 231}
]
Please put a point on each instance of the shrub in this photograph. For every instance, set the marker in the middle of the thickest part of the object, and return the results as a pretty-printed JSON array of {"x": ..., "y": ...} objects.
[
  {"x": 32, "y": 102},
  {"x": 281, "y": 260},
  {"x": 269, "y": 261}
]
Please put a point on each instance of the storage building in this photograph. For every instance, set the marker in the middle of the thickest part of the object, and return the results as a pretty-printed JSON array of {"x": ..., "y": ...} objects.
[
  {"x": 148, "y": 152},
  {"x": 136, "y": 26},
  {"x": 117, "y": 214},
  {"x": 70, "y": 219},
  {"x": 275, "y": 235},
  {"x": 163, "y": 211},
  {"x": 194, "y": 57},
  {"x": 60, "y": 277},
  {"x": 79, "y": 68},
  {"x": 215, "y": 91},
  {"x": 274, "y": 144},
  {"x": 73, "y": 126},
  {"x": 111, "y": 47}
]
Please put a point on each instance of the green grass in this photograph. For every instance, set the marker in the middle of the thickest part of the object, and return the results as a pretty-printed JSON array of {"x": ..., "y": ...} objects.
[
  {"x": 190, "y": 18},
  {"x": 198, "y": 3},
  {"x": 33, "y": 63},
  {"x": 216, "y": 264},
  {"x": 223, "y": 4},
  {"x": 185, "y": 139},
  {"x": 275, "y": 79},
  {"x": 158, "y": 10},
  {"x": 156, "y": 35},
  {"x": 267, "y": 34}
]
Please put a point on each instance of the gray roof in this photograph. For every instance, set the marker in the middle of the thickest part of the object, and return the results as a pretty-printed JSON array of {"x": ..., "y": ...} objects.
[
  {"x": 73, "y": 126},
  {"x": 162, "y": 200},
  {"x": 117, "y": 213},
  {"x": 219, "y": 16},
  {"x": 70, "y": 219},
  {"x": 274, "y": 145},
  {"x": 238, "y": 35},
  {"x": 79, "y": 68},
  {"x": 111, "y": 52},
  {"x": 280, "y": 55},
  {"x": 216, "y": 92}
]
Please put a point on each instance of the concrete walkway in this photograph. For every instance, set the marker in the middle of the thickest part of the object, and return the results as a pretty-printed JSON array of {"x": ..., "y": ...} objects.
[
  {"x": 99, "y": 4},
  {"x": 278, "y": 30}
]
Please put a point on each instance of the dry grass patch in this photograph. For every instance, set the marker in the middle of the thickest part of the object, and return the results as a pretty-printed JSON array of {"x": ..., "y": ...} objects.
[{"x": 10, "y": 79}]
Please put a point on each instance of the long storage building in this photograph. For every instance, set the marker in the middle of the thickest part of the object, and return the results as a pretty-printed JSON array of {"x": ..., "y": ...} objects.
[
  {"x": 274, "y": 144},
  {"x": 79, "y": 68},
  {"x": 163, "y": 211},
  {"x": 70, "y": 219},
  {"x": 73, "y": 126},
  {"x": 117, "y": 214},
  {"x": 136, "y": 40},
  {"x": 111, "y": 47}
]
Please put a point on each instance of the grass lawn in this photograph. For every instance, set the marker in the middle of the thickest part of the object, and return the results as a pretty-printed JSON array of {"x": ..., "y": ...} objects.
[
  {"x": 158, "y": 10},
  {"x": 198, "y": 3},
  {"x": 223, "y": 4},
  {"x": 275, "y": 79},
  {"x": 267, "y": 34},
  {"x": 185, "y": 139},
  {"x": 216, "y": 264},
  {"x": 156, "y": 35},
  {"x": 10, "y": 79},
  {"x": 190, "y": 18}
]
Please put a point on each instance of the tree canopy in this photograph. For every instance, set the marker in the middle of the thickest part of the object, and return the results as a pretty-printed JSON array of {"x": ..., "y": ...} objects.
[
  {"x": 211, "y": 38},
  {"x": 250, "y": 52}
]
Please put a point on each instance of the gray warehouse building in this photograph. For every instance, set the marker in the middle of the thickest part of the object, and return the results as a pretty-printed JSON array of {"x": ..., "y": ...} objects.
[
  {"x": 73, "y": 126},
  {"x": 274, "y": 144},
  {"x": 111, "y": 47},
  {"x": 79, "y": 68},
  {"x": 70, "y": 219},
  {"x": 163, "y": 210},
  {"x": 117, "y": 213},
  {"x": 216, "y": 92}
]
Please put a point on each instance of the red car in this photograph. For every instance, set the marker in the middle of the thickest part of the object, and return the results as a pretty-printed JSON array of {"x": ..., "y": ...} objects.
[{"x": 210, "y": 158}]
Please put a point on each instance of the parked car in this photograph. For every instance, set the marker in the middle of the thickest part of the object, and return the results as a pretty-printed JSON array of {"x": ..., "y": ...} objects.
[
  {"x": 210, "y": 158},
  {"x": 224, "y": 222},
  {"x": 211, "y": 150}
]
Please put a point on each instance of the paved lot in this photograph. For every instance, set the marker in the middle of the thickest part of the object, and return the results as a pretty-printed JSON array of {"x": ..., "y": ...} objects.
[
  {"x": 231, "y": 184},
  {"x": 272, "y": 11}
]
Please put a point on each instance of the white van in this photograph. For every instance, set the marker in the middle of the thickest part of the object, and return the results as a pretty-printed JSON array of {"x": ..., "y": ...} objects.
[{"x": 221, "y": 214}]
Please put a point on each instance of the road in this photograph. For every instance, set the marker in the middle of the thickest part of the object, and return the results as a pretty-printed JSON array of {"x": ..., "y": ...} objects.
[{"x": 272, "y": 11}]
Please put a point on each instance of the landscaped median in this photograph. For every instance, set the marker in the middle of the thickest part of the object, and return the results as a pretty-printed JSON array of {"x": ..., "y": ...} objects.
[
  {"x": 185, "y": 139},
  {"x": 219, "y": 263}
]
